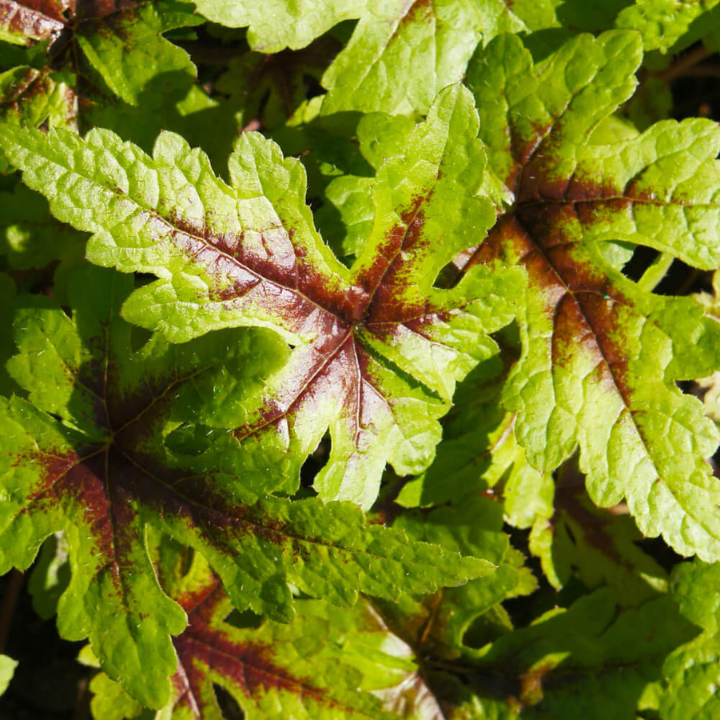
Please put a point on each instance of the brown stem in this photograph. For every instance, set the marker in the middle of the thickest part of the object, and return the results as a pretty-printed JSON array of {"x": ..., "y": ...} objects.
[
  {"x": 684, "y": 63},
  {"x": 82, "y": 700}
]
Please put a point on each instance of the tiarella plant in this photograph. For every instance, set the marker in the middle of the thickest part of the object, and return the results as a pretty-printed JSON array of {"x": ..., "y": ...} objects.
[{"x": 361, "y": 359}]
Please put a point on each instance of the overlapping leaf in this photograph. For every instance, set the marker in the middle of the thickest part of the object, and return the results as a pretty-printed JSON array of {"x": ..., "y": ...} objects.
[
  {"x": 600, "y": 354},
  {"x": 325, "y": 665},
  {"x": 107, "y": 46},
  {"x": 401, "y": 53},
  {"x": 280, "y": 24},
  {"x": 268, "y": 89},
  {"x": 589, "y": 661},
  {"x": 435, "y": 625},
  {"x": 30, "y": 237},
  {"x": 377, "y": 349},
  {"x": 666, "y": 24},
  {"x": 86, "y": 454},
  {"x": 596, "y": 546}
]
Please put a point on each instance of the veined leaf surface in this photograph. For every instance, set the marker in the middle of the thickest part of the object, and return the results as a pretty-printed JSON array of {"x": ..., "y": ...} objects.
[
  {"x": 88, "y": 452},
  {"x": 377, "y": 348},
  {"x": 601, "y": 354}
]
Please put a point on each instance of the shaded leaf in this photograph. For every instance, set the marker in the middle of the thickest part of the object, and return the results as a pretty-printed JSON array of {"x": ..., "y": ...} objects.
[
  {"x": 434, "y": 625},
  {"x": 108, "y": 47},
  {"x": 587, "y": 661},
  {"x": 597, "y": 546},
  {"x": 270, "y": 88},
  {"x": 30, "y": 237}
]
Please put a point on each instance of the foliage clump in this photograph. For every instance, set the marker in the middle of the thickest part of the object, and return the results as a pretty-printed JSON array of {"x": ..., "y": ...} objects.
[{"x": 360, "y": 359}]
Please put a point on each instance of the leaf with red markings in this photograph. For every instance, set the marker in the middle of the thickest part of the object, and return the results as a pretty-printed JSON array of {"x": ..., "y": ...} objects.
[
  {"x": 601, "y": 353},
  {"x": 331, "y": 663},
  {"x": 597, "y": 546},
  {"x": 377, "y": 349},
  {"x": 86, "y": 453},
  {"x": 276, "y": 671},
  {"x": 583, "y": 661},
  {"x": 96, "y": 49},
  {"x": 22, "y": 22}
]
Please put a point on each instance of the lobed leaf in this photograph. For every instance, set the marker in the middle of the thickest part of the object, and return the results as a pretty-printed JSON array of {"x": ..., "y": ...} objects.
[
  {"x": 401, "y": 53},
  {"x": 601, "y": 355},
  {"x": 116, "y": 47},
  {"x": 275, "y": 671},
  {"x": 598, "y": 547},
  {"x": 376, "y": 349},
  {"x": 89, "y": 454}
]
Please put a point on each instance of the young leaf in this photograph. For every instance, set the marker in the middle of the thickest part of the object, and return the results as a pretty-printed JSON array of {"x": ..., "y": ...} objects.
[
  {"x": 601, "y": 354},
  {"x": 377, "y": 348},
  {"x": 103, "y": 474}
]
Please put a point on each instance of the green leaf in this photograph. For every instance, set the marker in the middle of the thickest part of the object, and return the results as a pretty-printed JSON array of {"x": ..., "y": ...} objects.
[
  {"x": 118, "y": 49},
  {"x": 29, "y": 96},
  {"x": 89, "y": 458},
  {"x": 402, "y": 53},
  {"x": 127, "y": 49},
  {"x": 50, "y": 576},
  {"x": 209, "y": 123},
  {"x": 601, "y": 355},
  {"x": 436, "y": 624},
  {"x": 666, "y": 24},
  {"x": 376, "y": 349},
  {"x": 30, "y": 237},
  {"x": 7, "y": 346},
  {"x": 324, "y": 665},
  {"x": 597, "y": 546},
  {"x": 586, "y": 661},
  {"x": 7, "y": 669},
  {"x": 693, "y": 670},
  {"x": 279, "y": 24},
  {"x": 268, "y": 89}
]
